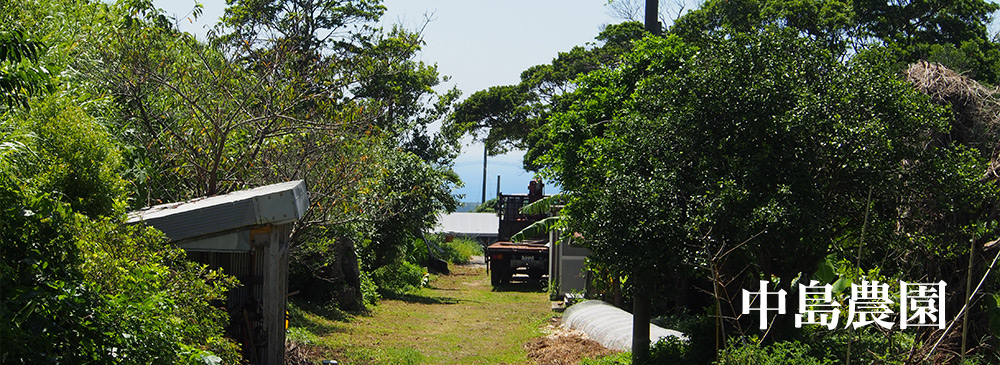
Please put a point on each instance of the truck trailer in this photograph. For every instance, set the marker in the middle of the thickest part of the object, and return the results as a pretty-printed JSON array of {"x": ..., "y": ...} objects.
[{"x": 529, "y": 258}]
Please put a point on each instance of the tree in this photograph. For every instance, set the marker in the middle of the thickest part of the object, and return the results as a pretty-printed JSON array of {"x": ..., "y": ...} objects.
[
  {"x": 79, "y": 285},
  {"x": 489, "y": 206},
  {"x": 953, "y": 32},
  {"x": 289, "y": 90},
  {"x": 763, "y": 156},
  {"x": 414, "y": 193},
  {"x": 513, "y": 116},
  {"x": 20, "y": 76}
]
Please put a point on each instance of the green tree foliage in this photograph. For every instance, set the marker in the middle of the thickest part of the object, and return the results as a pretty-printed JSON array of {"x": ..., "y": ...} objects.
[
  {"x": 79, "y": 285},
  {"x": 415, "y": 193},
  {"x": 952, "y": 32},
  {"x": 514, "y": 116},
  {"x": 505, "y": 114},
  {"x": 44, "y": 308},
  {"x": 243, "y": 110},
  {"x": 20, "y": 75},
  {"x": 94, "y": 290},
  {"x": 71, "y": 156},
  {"x": 336, "y": 52},
  {"x": 764, "y": 155},
  {"x": 288, "y": 90},
  {"x": 489, "y": 206}
]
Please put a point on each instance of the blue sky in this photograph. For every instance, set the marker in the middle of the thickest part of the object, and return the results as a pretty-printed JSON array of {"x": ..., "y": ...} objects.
[
  {"x": 481, "y": 44},
  {"x": 478, "y": 44}
]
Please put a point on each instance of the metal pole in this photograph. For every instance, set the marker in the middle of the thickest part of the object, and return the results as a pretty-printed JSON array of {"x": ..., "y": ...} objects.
[
  {"x": 483, "y": 200},
  {"x": 652, "y": 17},
  {"x": 968, "y": 296}
]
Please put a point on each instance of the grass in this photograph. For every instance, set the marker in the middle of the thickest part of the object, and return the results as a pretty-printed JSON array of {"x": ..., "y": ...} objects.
[
  {"x": 622, "y": 358},
  {"x": 459, "y": 320},
  {"x": 459, "y": 249}
]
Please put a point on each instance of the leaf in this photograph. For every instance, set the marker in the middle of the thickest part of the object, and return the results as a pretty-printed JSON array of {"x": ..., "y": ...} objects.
[
  {"x": 544, "y": 205},
  {"x": 841, "y": 285},
  {"x": 826, "y": 271},
  {"x": 537, "y": 228}
]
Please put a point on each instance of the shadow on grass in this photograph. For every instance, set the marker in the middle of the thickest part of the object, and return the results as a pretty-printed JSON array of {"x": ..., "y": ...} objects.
[
  {"x": 419, "y": 299},
  {"x": 324, "y": 310},
  {"x": 318, "y": 319}
]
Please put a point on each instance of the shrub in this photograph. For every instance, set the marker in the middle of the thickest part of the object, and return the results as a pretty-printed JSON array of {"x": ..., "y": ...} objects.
[
  {"x": 459, "y": 250},
  {"x": 369, "y": 290},
  {"x": 490, "y": 206},
  {"x": 72, "y": 156},
  {"x": 699, "y": 347},
  {"x": 80, "y": 290},
  {"x": 748, "y": 350},
  {"x": 79, "y": 285},
  {"x": 399, "y": 277}
]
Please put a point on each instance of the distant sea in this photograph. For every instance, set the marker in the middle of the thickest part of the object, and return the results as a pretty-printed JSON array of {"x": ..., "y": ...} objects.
[{"x": 466, "y": 207}]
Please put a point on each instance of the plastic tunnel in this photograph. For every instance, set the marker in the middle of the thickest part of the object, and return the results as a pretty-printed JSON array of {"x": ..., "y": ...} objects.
[{"x": 609, "y": 325}]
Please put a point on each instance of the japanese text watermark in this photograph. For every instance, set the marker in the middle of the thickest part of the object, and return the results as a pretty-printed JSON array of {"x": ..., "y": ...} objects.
[{"x": 920, "y": 305}]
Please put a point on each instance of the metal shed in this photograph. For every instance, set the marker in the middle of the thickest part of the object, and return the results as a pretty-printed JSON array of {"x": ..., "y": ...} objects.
[
  {"x": 246, "y": 234},
  {"x": 567, "y": 266}
]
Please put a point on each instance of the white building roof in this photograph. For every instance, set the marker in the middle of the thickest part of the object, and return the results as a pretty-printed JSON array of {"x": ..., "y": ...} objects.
[{"x": 468, "y": 224}]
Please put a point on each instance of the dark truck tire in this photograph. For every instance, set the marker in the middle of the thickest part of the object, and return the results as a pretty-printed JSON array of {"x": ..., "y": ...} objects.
[
  {"x": 535, "y": 274},
  {"x": 495, "y": 277},
  {"x": 501, "y": 274}
]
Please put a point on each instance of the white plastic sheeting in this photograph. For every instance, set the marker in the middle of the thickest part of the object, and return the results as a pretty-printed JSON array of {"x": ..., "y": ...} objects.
[{"x": 608, "y": 325}]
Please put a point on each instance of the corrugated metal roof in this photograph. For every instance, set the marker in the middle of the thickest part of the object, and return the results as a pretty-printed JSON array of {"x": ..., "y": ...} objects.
[
  {"x": 468, "y": 224},
  {"x": 271, "y": 204}
]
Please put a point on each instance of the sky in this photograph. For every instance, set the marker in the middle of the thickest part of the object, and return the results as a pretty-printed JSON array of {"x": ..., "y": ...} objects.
[{"x": 478, "y": 44}]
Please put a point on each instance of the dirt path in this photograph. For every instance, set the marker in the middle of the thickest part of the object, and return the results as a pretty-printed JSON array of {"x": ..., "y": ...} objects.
[{"x": 459, "y": 320}]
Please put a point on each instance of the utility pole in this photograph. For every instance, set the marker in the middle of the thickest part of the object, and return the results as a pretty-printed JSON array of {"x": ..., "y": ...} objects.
[
  {"x": 642, "y": 301},
  {"x": 652, "y": 17},
  {"x": 485, "y": 150}
]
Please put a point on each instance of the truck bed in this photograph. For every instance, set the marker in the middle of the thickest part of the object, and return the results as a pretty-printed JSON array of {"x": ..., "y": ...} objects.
[
  {"x": 505, "y": 259},
  {"x": 519, "y": 247}
]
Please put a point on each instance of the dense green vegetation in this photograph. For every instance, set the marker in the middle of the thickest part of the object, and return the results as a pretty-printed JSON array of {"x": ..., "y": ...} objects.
[
  {"x": 108, "y": 108},
  {"x": 774, "y": 141},
  {"x": 755, "y": 141}
]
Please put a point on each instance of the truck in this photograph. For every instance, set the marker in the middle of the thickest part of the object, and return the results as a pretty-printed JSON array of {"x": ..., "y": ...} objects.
[{"x": 529, "y": 258}]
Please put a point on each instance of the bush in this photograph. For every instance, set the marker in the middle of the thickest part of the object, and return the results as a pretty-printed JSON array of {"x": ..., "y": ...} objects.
[
  {"x": 459, "y": 250},
  {"x": 80, "y": 290},
  {"x": 398, "y": 278},
  {"x": 699, "y": 347},
  {"x": 490, "y": 206},
  {"x": 671, "y": 350},
  {"x": 80, "y": 285},
  {"x": 863, "y": 345},
  {"x": 747, "y": 350},
  {"x": 71, "y": 155},
  {"x": 369, "y": 290}
]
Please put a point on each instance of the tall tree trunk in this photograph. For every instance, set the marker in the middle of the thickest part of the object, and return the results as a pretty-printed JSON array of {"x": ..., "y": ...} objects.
[
  {"x": 652, "y": 17},
  {"x": 640, "y": 321}
]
